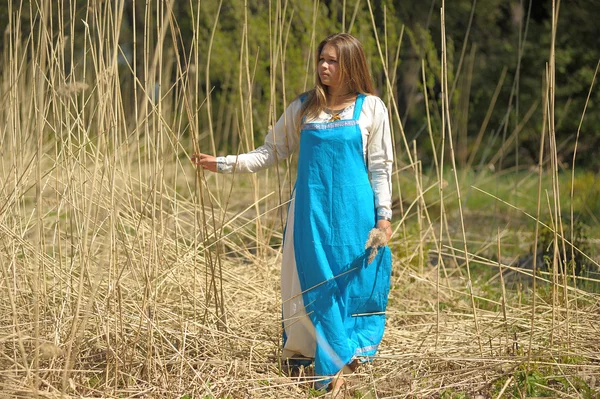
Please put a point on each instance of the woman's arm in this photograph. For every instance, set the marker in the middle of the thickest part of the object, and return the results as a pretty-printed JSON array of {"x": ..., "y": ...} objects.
[
  {"x": 280, "y": 143},
  {"x": 380, "y": 160}
]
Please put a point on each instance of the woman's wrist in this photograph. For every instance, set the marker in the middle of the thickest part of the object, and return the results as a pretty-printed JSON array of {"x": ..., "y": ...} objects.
[
  {"x": 223, "y": 166},
  {"x": 384, "y": 214}
]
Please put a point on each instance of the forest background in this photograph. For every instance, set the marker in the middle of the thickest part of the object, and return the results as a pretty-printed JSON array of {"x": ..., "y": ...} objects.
[
  {"x": 485, "y": 39},
  {"x": 129, "y": 273}
]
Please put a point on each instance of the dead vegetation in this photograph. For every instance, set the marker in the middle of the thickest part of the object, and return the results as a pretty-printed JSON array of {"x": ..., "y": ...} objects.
[{"x": 126, "y": 274}]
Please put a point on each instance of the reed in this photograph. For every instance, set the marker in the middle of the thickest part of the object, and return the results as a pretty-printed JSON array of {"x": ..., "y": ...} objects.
[{"x": 128, "y": 273}]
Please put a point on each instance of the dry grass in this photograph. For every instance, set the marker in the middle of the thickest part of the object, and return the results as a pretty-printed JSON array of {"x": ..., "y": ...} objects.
[
  {"x": 126, "y": 274},
  {"x": 168, "y": 343}
]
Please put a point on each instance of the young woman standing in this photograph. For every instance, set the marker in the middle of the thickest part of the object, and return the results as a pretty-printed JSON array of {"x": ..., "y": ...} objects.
[{"x": 333, "y": 299}]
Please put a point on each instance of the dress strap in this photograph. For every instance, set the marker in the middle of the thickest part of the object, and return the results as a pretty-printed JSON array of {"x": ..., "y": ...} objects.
[{"x": 358, "y": 106}]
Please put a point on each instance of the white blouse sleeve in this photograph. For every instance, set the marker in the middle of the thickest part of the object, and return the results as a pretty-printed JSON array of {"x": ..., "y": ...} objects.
[
  {"x": 380, "y": 158},
  {"x": 280, "y": 143}
]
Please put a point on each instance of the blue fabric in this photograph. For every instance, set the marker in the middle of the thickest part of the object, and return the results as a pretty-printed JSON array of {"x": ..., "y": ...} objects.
[{"x": 334, "y": 211}]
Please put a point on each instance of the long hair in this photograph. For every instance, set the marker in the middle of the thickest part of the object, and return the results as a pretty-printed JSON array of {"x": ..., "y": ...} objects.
[{"x": 354, "y": 73}]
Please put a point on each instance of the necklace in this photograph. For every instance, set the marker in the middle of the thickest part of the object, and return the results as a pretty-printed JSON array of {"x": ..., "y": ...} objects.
[{"x": 336, "y": 115}]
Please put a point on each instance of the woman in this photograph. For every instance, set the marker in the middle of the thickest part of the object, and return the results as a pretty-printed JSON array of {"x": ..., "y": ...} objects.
[{"x": 333, "y": 299}]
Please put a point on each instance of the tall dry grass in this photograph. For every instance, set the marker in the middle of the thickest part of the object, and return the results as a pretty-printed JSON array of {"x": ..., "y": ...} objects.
[{"x": 128, "y": 273}]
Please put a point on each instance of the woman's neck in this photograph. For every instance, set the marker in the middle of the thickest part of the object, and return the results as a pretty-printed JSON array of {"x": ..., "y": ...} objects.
[
  {"x": 339, "y": 91},
  {"x": 340, "y": 97}
]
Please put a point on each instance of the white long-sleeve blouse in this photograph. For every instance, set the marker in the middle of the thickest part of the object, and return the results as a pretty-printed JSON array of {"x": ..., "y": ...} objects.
[{"x": 283, "y": 140}]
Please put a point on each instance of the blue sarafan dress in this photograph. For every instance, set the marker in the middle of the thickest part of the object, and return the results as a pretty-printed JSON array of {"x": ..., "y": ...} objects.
[
  {"x": 334, "y": 211},
  {"x": 333, "y": 301}
]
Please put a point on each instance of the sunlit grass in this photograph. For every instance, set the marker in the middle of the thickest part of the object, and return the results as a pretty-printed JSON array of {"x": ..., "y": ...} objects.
[{"x": 128, "y": 273}]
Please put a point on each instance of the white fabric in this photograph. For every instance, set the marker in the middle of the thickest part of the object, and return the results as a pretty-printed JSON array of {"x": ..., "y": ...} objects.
[
  {"x": 283, "y": 140},
  {"x": 300, "y": 332}
]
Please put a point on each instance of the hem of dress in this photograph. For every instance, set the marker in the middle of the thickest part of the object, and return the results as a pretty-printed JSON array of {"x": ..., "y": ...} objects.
[{"x": 366, "y": 351}]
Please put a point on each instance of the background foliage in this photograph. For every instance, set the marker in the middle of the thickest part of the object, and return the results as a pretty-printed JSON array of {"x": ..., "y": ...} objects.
[
  {"x": 485, "y": 38},
  {"x": 128, "y": 272}
]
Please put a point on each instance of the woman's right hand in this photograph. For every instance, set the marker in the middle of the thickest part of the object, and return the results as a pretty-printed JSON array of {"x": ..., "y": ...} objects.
[{"x": 207, "y": 162}]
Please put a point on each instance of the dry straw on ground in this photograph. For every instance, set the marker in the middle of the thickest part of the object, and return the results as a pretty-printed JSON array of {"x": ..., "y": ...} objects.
[{"x": 126, "y": 273}]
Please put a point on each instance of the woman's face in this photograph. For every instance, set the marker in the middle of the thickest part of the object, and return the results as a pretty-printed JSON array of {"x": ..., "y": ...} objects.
[{"x": 329, "y": 68}]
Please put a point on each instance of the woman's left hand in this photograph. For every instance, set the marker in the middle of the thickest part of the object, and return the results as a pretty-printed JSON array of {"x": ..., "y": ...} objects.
[{"x": 385, "y": 226}]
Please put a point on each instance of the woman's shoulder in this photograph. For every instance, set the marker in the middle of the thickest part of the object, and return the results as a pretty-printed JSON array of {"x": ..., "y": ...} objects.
[
  {"x": 295, "y": 105},
  {"x": 374, "y": 104},
  {"x": 373, "y": 99},
  {"x": 302, "y": 97}
]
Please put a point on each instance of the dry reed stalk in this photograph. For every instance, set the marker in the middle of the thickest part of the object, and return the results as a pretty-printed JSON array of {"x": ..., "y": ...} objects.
[
  {"x": 438, "y": 174},
  {"x": 392, "y": 72},
  {"x": 446, "y": 109},
  {"x": 420, "y": 215},
  {"x": 39, "y": 100},
  {"x": 213, "y": 286},
  {"x": 537, "y": 218},
  {"x": 554, "y": 211},
  {"x": 571, "y": 193},
  {"x": 123, "y": 244},
  {"x": 442, "y": 211}
]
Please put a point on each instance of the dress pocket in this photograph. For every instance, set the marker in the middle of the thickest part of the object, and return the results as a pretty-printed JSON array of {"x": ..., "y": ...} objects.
[{"x": 369, "y": 289}]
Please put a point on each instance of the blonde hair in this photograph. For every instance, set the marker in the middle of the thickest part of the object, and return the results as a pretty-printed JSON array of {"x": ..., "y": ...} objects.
[{"x": 354, "y": 73}]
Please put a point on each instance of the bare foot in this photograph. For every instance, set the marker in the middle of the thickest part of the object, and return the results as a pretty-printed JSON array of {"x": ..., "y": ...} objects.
[{"x": 337, "y": 387}]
